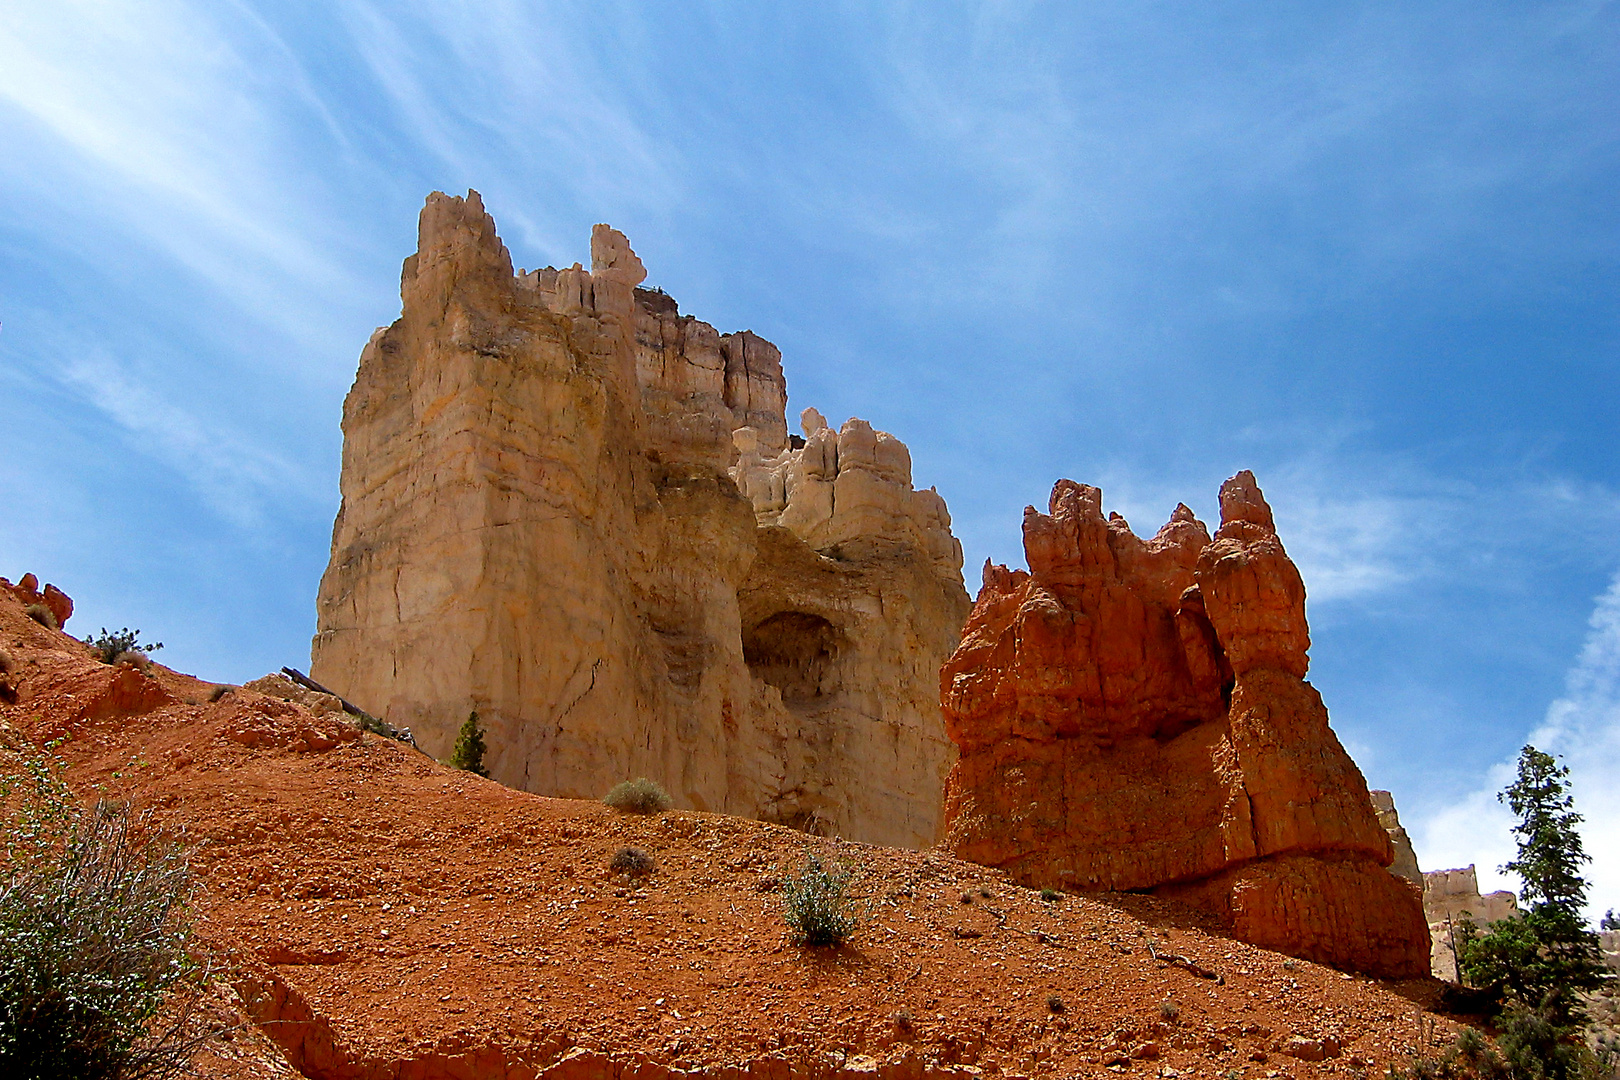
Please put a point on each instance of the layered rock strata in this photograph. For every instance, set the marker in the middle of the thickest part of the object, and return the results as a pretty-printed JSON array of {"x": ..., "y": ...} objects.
[
  {"x": 1133, "y": 715},
  {"x": 579, "y": 512}
]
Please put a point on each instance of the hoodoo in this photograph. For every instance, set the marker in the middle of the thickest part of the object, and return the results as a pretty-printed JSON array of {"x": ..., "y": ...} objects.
[
  {"x": 573, "y": 509},
  {"x": 1133, "y": 715}
]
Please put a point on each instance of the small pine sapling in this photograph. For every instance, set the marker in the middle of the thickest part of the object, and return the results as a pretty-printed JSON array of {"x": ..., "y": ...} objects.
[{"x": 468, "y": 754}]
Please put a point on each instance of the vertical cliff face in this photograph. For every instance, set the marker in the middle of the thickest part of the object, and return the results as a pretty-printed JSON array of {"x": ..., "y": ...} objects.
[
  {"x": 1133, "y": 715},
  {"x": 540, "y": 521}
]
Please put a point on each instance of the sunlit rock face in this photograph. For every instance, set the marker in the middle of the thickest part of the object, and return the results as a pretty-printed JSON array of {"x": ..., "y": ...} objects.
[
  {"x": 1132, "y": 715},
  {"x": 1449, "y": 897},
  {"x": 579, "y": 512},
  {"x": 1405, "y": 864}
]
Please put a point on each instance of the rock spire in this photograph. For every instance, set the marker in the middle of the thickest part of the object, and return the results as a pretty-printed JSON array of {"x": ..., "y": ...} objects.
[{"x": 1132, "y": 715}]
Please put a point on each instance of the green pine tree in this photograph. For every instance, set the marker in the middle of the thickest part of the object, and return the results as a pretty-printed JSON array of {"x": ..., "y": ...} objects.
[
  {"x": 1539, "y": 963},
  {"x": 469, "y": 751}
]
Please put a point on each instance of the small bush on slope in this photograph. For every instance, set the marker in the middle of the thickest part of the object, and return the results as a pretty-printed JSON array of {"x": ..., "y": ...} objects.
[
  {"x": 815, "y": 906},
  {"x": 93, "y": 941},
  {"x": 632, "y": 862},
  {"x": 109, "y": 648},
  {"x": 638, "y": 796}
]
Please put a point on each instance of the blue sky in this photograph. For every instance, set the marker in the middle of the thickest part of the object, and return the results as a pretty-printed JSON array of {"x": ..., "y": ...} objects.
[{"x": 1370, "y": 251}]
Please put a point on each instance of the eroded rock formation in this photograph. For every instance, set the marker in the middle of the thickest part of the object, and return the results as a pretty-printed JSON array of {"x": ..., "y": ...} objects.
[
  {"x": 1405, "y": 864},
  {"x": 57, "y": 602},
  {"x": 1133, "y": 715},
  {"x": 544, "y": 519}
]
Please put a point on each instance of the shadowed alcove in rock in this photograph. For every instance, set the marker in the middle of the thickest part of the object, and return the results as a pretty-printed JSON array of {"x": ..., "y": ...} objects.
[{"x": 795, "y": 652}]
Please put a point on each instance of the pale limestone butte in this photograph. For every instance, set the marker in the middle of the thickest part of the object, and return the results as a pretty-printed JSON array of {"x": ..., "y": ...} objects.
[
  {"x": 1449, "y": 896},
  {"x": 542, "y": 521}
]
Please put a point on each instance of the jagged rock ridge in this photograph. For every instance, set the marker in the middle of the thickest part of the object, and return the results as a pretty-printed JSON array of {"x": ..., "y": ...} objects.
[
  {"x": 542, "y": 521},
  {"x": 1133, "y": 715}
]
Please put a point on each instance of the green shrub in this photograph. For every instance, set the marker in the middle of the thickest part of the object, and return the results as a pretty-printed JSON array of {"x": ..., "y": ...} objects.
[
  {"x": 42, "y": 615},
  {"x": 110, "y": 648},
  {"x": 815, "y": 906},
  {"x": 95, "y": 979},
  {"x": 632, "y": 862},
  {"x": 1050, "y": 895},
  {"x": 1470, "y": 1057},
  {"x": 638, "y": 796},
  {"x": 468, "y": 754}
]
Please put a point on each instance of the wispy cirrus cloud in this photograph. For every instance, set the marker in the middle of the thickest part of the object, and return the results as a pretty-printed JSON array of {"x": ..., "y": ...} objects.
[
  {"x": 154, "y": 120},
  {"x": 1582, "y": 727},
  {"x": 240, "y": 479},
  {"x": 526, "y": 101}
]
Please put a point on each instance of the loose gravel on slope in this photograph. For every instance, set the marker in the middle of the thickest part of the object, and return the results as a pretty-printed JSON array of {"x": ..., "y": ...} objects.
[{"x": 426, "y": 920}]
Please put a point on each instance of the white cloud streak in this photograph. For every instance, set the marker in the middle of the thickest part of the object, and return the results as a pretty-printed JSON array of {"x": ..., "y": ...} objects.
[
  {"x": 238, "y": 479},
  {"x": 515, "y": 96},
  {"x": 154, "y": 118},
  {"x": 1583, "y": 728}
]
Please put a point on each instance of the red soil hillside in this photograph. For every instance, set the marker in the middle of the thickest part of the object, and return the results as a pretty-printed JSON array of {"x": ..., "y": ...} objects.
[{"x": 389, "y": 917}]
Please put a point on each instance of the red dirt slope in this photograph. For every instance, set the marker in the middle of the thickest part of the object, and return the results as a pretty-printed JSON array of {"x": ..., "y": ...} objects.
[{"x": 391, "y": 918}]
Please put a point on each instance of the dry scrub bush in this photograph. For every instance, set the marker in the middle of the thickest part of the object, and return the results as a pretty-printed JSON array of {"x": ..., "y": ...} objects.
[
  {"x": 632, "y": 862},
  {"x": 42, "y": 615},
  {"x": 95, "y": 978},
  {"x": 638, "y": 796},
  {"x": 113, "y": 648},
  {"x": 815, "y": 906}
]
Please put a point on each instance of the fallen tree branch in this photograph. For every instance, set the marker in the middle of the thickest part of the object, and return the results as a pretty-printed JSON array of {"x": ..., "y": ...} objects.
[
  {"x": 367, "y": 721},
  {"x": 1175, "y": 960}
]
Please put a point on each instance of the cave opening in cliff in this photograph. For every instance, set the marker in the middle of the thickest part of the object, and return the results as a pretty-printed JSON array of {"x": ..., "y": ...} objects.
[{"x": 793, "y": 651}]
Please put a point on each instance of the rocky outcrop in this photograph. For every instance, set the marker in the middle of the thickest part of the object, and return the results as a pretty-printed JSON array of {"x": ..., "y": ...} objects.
[
  {"x": 1449, "y": 897},
  {"x": 1405, "y": 864},
  {"x": 579, "y": 512},
  {"x": 1132, "y": 715},
  {"x": 54, "y": 600}
]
